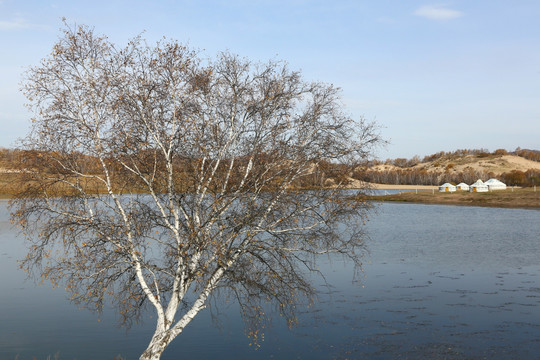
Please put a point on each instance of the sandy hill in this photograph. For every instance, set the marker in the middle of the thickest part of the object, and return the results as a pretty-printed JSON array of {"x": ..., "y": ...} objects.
[
  {"x": 497, "y": 164},
  {"x": 460, "y": 166}
]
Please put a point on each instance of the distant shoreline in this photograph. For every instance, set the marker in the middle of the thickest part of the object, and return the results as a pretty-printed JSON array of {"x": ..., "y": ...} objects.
[
  {"x": 404, "y": 187},
  {"x": 526, "y": 198},
  {"x": 428, "y": 194}
]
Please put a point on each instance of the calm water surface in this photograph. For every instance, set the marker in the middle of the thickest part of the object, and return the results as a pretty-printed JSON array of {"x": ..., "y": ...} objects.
[{"x": 439, "y": 282}]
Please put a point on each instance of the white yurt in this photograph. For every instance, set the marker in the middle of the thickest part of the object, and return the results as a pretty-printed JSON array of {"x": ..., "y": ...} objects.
[
  {"x": 447, "y": 187},
  {"x": 478, "y": 186},
  {"x": 494, "y": 184},
  {"x": 462, "y": 186}
]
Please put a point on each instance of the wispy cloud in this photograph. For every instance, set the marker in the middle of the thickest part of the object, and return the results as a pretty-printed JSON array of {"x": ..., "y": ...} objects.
[
  {"x": 437, "y": 12},
  {"x": 15, "y": 24}
]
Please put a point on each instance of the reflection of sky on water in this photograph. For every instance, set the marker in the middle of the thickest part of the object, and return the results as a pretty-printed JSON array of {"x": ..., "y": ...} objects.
[
  {"x": 438, "y": 282},
  {"x": 388, "y": 191},
  {"x": 413, "y": 313},
  {"x": 445, "y": 282}
]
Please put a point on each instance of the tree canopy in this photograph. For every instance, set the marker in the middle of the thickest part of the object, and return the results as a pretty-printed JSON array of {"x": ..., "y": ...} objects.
[{"x": 164, "y": 177}]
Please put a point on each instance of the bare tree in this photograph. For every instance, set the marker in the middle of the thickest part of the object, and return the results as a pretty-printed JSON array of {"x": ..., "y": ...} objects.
[{"x": 163, "y": 178}]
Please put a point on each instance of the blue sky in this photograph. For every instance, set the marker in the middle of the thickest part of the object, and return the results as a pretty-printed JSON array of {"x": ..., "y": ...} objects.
[{"x": 438, "y": 76}]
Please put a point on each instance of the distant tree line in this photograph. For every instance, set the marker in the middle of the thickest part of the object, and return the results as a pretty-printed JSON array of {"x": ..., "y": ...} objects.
[
  {"x": 530, "y": 177},
  {"x": 410, "y": 176},
  {"x": 326, "y": 174},
  {"x": 533, "y": 155}
]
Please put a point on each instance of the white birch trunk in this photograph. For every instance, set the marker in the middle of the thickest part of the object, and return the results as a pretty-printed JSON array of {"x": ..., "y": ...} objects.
[{"x": 164, "y": 333}]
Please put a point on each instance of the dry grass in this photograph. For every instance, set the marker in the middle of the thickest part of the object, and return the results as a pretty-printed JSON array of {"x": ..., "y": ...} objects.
[
  {"x": 9, "y": 183},
  {"x": 517, "y": 198},
  {"x": 13, "y": 183}
]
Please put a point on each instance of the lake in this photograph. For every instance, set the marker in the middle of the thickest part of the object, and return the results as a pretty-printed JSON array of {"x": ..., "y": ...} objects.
[{"x": 438, "y": 282}]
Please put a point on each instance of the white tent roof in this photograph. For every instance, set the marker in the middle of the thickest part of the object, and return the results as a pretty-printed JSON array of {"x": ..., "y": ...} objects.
[
  {"x": 478, "y": 182},
  {"x": 494, "y": 182}
]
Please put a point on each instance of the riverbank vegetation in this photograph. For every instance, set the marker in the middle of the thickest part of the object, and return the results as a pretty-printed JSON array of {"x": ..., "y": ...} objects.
[{"x": 517, "y": 168}]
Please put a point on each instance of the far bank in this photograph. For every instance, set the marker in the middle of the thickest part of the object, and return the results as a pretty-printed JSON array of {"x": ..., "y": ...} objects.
[{"x": 509, "y": 198}]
